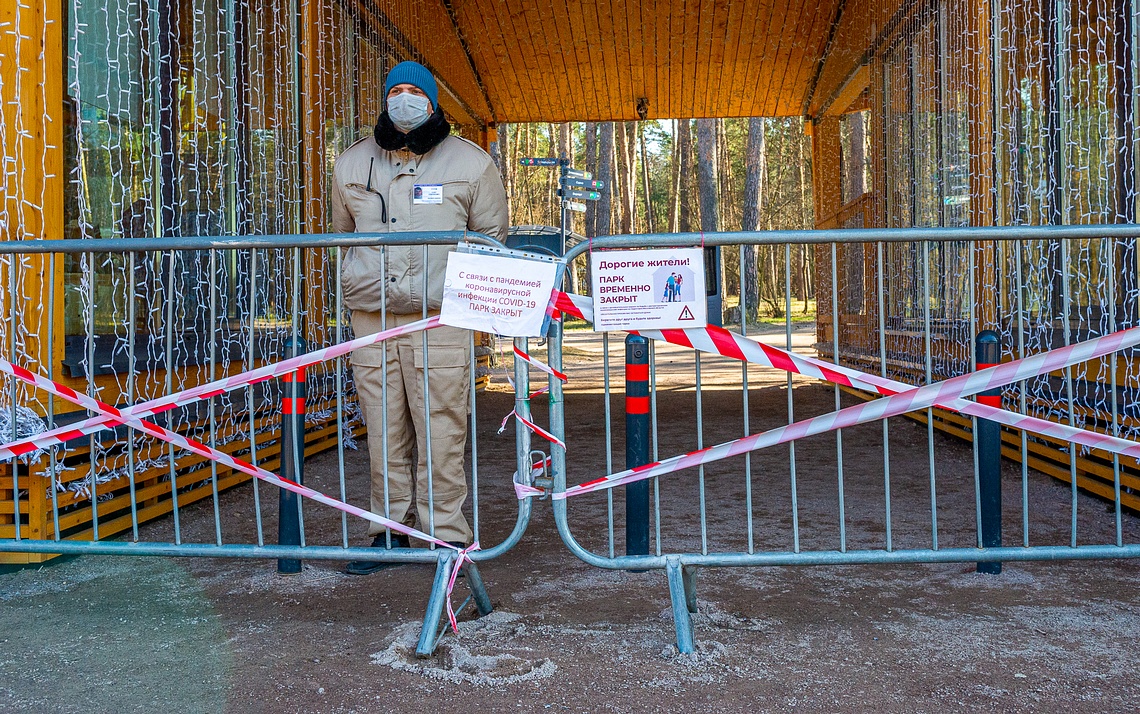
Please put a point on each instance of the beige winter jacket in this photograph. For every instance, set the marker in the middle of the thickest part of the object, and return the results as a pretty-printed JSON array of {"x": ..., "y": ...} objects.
[{"x": 374, "y": 191}]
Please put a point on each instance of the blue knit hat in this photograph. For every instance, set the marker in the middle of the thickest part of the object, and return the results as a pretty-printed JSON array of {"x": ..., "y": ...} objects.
[{"x": 415, "y": 74}]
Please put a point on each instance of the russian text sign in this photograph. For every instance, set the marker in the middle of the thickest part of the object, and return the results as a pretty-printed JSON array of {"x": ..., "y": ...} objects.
[
  {"x": 495, "y": 293},
  {"x": 656, "y": 289}
]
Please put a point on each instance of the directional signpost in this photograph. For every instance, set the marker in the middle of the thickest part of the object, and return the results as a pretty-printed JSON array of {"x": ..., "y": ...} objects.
[
  {"x": 572, "y": 184},
  {"x": 582, "y": 183},
  {"x": 567, "y": 193}
]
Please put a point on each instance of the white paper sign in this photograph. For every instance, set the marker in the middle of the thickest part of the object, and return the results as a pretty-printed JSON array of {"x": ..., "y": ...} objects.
[
  {"x": 498, "y": 294},
  {"x": 655, "y": 289}
]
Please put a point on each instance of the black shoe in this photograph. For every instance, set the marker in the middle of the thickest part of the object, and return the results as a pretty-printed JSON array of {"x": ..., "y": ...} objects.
[{"x": 367, "y": 567}]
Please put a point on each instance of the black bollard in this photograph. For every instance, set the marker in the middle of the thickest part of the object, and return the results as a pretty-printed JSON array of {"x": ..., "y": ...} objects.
[
  {"x": 292, "y": 455},
  {"x": 636, "y": 443},
  {"x": 988, "y": 437}
]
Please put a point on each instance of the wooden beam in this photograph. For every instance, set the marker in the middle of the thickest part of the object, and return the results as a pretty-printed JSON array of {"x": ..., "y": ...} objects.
[{"x": 850, "y": 93}]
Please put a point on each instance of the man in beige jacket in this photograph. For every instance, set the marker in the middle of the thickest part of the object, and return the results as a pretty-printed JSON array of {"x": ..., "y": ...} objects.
[{"x": 411, "y": 175}]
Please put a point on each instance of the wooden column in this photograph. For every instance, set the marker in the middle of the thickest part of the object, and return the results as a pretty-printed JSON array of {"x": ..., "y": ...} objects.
[
  {"x": 827, "y": 192},
  {"x": 315, "y": 64},
  {"x": 31, "y": 205},
  {"x": 983, "y": 182}
]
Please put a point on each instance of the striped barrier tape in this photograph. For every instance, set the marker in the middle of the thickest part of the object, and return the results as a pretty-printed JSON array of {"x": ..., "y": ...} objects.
[
  {"x": 542, "y": 366},
  {"x": 717, "y": 340},
  {"x": 912, "y": 399},
  {"x": 204, "y": 391},
  {"x": 110, "y": 414}
]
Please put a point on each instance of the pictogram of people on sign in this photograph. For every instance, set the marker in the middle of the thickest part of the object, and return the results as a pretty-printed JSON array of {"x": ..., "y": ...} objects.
[{"x": 673, "y": 288}]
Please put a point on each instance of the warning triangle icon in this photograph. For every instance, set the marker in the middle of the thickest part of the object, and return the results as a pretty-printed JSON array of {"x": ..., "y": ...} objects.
[{"x": 686, "y": 314}]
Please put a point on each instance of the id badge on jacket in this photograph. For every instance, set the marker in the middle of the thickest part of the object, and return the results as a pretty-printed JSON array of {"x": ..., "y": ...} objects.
[{"x": 425, "y": 193}]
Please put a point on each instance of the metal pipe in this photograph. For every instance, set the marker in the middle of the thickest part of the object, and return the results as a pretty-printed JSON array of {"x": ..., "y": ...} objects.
[{"x": 665, "y": 240}]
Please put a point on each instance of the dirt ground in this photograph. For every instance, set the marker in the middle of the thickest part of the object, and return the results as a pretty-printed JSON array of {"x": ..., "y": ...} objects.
[{"x": 106, "y": 634}]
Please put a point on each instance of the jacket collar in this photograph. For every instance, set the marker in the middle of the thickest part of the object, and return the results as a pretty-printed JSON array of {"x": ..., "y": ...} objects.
[{"x": 419, "y": 141}]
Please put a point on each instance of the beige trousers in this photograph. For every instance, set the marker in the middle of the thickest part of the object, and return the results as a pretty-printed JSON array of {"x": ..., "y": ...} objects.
[{"x": 410, "y": 498}]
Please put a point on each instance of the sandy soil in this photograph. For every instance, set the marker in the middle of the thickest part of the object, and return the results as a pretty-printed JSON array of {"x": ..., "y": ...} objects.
[{"x": 569, "y": 637}]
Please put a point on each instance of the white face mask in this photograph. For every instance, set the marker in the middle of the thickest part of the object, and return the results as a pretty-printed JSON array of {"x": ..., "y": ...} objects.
[{"x": 408, "y": 111}]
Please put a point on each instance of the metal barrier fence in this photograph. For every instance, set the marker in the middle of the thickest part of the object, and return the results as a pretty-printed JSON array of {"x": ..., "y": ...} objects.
[
  {"x": 767, "y": 517},
  {"x": 162, "y": 317},
  {"x": 737, "y": 515}
]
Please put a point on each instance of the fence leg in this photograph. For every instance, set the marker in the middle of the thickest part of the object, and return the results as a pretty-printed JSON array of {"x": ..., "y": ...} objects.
[
  {"x": 689, "y": 576},
  {"x": 429, "y": 636},
  {"x": 292, "y": 456},
  {"x": 683, "y": 604},
  {"x": 989, "y": 453},
  {"x": 478, "y": 590},
  {"x": 435, "y": 623},
  {"x": 636, "y": 443}
]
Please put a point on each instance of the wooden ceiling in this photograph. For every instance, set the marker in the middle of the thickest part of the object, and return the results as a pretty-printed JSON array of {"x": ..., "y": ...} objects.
[{"x": 591, "y": 60}]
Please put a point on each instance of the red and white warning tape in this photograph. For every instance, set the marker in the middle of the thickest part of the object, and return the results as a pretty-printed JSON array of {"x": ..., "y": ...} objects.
[
  {"x": 542, "y": 366},
  {"x": 131, "y": 417},
  {"x": 902, "y": 398},
  {"x": 717, "y": 340},
  {"x": 204, "y": 391}
]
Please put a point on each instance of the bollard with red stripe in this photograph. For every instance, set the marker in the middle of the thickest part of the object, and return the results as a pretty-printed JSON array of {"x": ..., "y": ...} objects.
[
  {"x": 636, "y": 443},
  {"x": 293, "y": 394},
  {"x": 988, "y": 437}
]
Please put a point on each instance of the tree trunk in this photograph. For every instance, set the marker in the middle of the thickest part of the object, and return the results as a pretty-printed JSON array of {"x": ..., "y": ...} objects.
[
  {"x": 506, "y": 168},
  {"x": 685, "y": 168},
  {"x": 631, "y": 173},
  {"x": 754, "y": 159},
  {"x": 565, "y": 146},
  {"x": 649, "y": 222},
  {"x": 621, "y": 180},
  {"x": 605, "y": 174},
  {"x": 592, "y": 167},
  {"x": 675, "y": 180},
  {"x": 707, "y": 175}
]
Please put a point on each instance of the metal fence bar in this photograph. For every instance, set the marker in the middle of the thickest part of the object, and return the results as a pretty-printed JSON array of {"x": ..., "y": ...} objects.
[
  {"x": 384, "y": 395},
  {"x": 1114, "y": 397},
  {"x": 92, "y": 440},
  {"x": 473, "y": 421},
  {"x": 791, "y": 408},
  {"x": 169, "y": 328},
  {"x": 1066, "y": 316},
  {"x": 701, "y": 445},
  {"x": 927, "y": 349},
  {"x": 744, "y": 393},
  {"x": 210, "y": 403},
  {"x": 341, "y": 427},
  {"x": 294, "y": 387},
  {"x": 1022, "y": 318},
  {"x": 131, "y": 328},
  {"x": 838, "y": 397},
  {"x": 427, "y": 404},
  {"x": 251, "y": 402},
  {"x": 609, "y": 439},
  {"x": 973, "y": 367},
  {"x": 653, "y": 425},
  {"x": 52, "y": 463},
  {"x": 880, "y": 298},
  {"x": 13, "y": 402}
]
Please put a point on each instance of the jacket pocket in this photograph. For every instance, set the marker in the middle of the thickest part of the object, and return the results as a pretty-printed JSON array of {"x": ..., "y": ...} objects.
[{"x": 448, "y": 347}]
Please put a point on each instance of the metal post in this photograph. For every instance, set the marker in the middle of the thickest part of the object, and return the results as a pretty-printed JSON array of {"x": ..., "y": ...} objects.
[
  {"x": 988, "y": 439},
  {"x": 292, "y": 455},
  {"x": 636, "y": 443}
]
